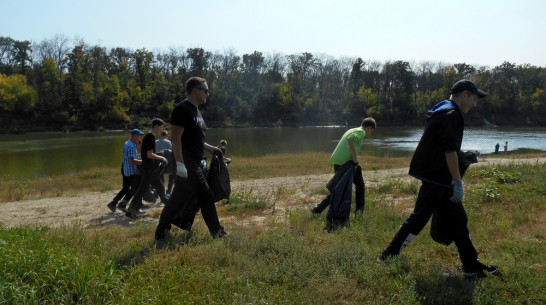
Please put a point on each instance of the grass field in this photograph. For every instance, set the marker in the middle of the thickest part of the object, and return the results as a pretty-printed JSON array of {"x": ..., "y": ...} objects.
[{"x": 292, "y": 260}]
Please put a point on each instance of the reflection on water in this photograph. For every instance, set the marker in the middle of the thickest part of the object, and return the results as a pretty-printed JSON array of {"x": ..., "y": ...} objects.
[
  {"x": 34, "y": 155},
  {"x": 481, "y": 139}
]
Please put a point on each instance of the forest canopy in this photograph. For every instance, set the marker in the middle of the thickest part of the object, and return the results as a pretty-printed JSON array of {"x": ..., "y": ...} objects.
[{"x": 58, "y": 84}]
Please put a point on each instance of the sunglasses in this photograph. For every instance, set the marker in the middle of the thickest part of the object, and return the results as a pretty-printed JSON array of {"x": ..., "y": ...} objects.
[{"x": 207, "y": 91}]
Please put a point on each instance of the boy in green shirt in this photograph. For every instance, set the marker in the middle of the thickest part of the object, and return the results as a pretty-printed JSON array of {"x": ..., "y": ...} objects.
[{"x": 346, "y": 150}]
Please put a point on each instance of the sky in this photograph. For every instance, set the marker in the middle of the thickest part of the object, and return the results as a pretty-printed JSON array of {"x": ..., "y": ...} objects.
[{"x": 475, "y": 32}]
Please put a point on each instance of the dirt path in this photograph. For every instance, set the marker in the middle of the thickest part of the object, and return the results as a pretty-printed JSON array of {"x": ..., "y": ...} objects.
[{"x": 89, "y": 209}]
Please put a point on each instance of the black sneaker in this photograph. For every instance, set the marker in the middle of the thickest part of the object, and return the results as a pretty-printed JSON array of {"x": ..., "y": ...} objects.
[
  {"x": 122, "y": 206},
  {"x": 132, "y": 213},
  {"x": 160, "y": 236},
  {"x": 316, "y": 212},
  {"x": 112, "y": 206},
  {"x": 477, "y": 270},
  {"x": 221, "y": 233},
  {"x": 385, "y": 256}
]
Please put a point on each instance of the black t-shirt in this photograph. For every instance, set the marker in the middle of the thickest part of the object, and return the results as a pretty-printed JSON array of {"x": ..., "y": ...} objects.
[
  {"x": 148, "y": 142},
  {"x": 188, "y": 116}
]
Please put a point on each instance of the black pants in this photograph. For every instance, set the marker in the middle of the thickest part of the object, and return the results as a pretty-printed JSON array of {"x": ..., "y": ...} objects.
[
  {"x": 170, "y": 182},
  {"x": 147, "y": 178},
  {"x": 130, "y": 186},
  {"x": 360, "y": 189},
  {"x": 431, "y": 195},
  {"x": 185, "y": 191}
]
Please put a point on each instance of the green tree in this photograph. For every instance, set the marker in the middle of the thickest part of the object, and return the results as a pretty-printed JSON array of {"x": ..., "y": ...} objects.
[
  {"x": 16, "y": 96},
  {"x": 356, "y": 80},
  {"x": 142, "y": 65},
  {"x": 6, "y": 58},
  {"x": 50, "y": 109},
  {"x": 21, "y": 55}
]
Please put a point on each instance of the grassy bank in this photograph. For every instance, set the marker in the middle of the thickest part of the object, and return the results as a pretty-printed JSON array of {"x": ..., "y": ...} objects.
[
  {"x": 293, "y": 260},
  {"x": 105, "y": 179},
  {"x": 242, "y": 168}
]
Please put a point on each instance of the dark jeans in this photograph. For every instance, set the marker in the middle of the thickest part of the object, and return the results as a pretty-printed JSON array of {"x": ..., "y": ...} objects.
[
  {"x": 170, "y": 182},
  {"x": 360, "y": 189},
  {"x": 130, "y": 186},
  {"x": 195, "y": 187},
  {"x": 430, "y": 196},
  {"x": 147, "y": 179}
]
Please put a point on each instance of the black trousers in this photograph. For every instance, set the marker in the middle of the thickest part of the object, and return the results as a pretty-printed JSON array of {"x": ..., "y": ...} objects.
[
  {"x": 129, "y": 188},
  {"x": 360, "y": 189},
  {"x": 430, "y": 196},
  {"x": 185, "y": 191},
  {"x": 170, "y": 182},
  {"x": 148, "y": 178}
]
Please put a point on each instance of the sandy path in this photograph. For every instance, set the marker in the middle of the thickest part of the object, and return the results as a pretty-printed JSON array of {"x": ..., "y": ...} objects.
[{"x": 89, "y": 209}]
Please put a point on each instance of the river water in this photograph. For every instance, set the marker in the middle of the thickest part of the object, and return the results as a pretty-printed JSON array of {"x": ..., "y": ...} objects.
[{"x": 44, "y": 154}]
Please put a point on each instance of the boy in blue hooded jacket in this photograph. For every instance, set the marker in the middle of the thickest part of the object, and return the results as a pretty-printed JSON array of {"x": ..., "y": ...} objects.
[{"x": 435, "y": 163}]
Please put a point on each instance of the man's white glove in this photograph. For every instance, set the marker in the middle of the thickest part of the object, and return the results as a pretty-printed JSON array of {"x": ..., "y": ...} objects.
[
  {"x": 181, "y": 170},
  {"x": 458, "y": 192},
  {"x": 165, "y": 160}
]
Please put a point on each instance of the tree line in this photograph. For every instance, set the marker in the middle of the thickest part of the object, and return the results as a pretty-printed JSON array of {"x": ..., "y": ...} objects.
[{"x": 58, "y": 84}]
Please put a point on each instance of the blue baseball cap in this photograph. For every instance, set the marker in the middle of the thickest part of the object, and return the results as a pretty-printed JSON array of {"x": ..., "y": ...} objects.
[{"x": 136, "y": 131}]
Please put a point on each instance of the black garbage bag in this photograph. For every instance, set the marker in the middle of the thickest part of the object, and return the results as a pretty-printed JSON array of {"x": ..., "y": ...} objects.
[
  {"x": 186, "y": 215},
  {"x": 218, "y": 178},
  {"x": 168, "y": 169},
  {"x": 441, "y": 223},
  {"x": 341, "y": 192},
  {"x": 151, "y": 195}
]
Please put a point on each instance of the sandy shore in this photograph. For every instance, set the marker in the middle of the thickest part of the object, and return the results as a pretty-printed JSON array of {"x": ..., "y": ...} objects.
[{"x": 89, "y": 209}]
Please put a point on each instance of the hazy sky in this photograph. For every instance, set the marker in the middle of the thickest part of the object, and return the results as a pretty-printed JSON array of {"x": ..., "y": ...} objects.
[{"x": 477, "y": 32}]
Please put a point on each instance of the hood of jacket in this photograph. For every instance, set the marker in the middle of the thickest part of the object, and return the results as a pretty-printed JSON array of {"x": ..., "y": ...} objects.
[{"x": 442, "y": 106}]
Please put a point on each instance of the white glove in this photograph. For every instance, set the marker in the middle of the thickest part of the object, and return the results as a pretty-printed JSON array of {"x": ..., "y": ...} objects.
[
  {"x": 458, "y": 192},
  {"x": 165, "y": 160},
  {"x": 181, "y": 170}
]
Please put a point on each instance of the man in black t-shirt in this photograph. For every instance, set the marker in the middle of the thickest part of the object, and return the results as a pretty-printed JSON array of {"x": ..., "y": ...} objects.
[
  {"x": 188, "y": 138},
  {"x": 148, "y": 177}
]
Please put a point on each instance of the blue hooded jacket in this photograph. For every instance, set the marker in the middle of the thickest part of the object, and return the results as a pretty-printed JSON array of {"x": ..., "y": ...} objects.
[{"x": 443, "y": 133}]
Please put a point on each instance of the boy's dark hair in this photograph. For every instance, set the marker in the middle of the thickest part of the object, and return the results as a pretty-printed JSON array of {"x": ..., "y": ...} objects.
[
  {"x": 223, "y": 142},
  {"x": 164, "y": 133},
  {"x": 157, "y": 121},
  {"x": 193, "y": 82},
  {"x": 368, "y": 122}
]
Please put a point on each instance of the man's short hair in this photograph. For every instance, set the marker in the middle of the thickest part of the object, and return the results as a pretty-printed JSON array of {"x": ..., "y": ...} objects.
[
  {"x": 192, "y": 82},
  {"x": 157, "y": 121},
  {"x": 368, "y": 122}
]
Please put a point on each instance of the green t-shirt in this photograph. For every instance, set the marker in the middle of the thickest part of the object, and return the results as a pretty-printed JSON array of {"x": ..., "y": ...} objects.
[{"x": 342, "y": 153}]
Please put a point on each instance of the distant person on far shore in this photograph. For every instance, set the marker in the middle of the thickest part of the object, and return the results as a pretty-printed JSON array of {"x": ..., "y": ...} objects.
[
  {"x": 129, "y": 171},
  {"x": 497, "y": 149},
  {"x": 506, "y": 147}
]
